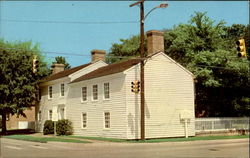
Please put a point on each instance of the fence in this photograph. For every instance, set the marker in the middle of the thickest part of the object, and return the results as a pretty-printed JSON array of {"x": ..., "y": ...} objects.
[{"x": 221, "y": 124}]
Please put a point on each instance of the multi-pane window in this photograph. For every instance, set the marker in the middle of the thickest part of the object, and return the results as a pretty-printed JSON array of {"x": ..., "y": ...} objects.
[
  {"x": 62, "y": 89},
  {"x": 50, "y": 114},
  {"x": 107, "y": 119},
  {"x": 50, "y": 91},
  {"x": 84, "y": 93},
  {"x": 95, "y": 92},
  {"x": 39, "y": 117},
  {"x": 106, "y": 90},
  {"x": 84, "y": 120}
]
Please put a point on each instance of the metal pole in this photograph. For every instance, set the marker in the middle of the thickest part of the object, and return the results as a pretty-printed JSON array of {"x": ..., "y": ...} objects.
[
  {"x": 142, "y": 72},
  {"x": 55, "y": 128}
]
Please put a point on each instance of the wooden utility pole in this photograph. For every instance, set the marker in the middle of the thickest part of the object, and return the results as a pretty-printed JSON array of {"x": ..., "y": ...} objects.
[{"x": 142, "y": 55}]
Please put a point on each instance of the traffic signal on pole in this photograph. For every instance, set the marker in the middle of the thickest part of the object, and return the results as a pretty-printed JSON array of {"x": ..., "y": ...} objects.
[
  {"x": 135, "y": 86},
  {"x": 35, "y": 64},
  {"x": 241, "y": 48}
]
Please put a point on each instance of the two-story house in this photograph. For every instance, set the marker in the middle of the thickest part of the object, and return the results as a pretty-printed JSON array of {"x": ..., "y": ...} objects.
[{"x": 99, "y": 101}]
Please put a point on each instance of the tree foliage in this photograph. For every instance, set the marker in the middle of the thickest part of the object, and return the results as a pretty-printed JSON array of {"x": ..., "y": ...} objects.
[
  {"x": 208, "y": 50},
  {"x": 18, "y": 84},
  {"x": 61, "y": 60},
  {"x": 126, "y": 49}
]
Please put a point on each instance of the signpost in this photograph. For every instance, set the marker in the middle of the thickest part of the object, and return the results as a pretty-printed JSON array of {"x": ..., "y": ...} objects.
[{"x": 55, "y": 117}]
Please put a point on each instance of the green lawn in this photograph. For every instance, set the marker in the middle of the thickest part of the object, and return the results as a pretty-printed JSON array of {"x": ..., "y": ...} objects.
[
  {"x": 162, "y": 140},
  {"x": 44, "y": 139},
  {"x": 79, "y": 139},
  {"x": 98, "y": 138}
]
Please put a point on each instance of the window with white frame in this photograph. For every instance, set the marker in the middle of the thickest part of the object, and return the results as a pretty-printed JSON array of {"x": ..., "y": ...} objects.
[
  {"x": 84, "y": 93},
  {"x": 84, "y": 120},
  {"x": 107, "y": 120},
  {"x": 95, "y": 92},
  {"x": 106, "y": 91},
  {"x": 62, "y": 89},
  {"x": 39, "y": 116},
  {"x": 50, "y": 114},
  {"x": 50, "y": 92}
]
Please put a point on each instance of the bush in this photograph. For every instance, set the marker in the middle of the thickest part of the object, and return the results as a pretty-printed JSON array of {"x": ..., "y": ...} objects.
[
  {"x": 48, "y": 127},
  {"x": 64, "y": 127}
]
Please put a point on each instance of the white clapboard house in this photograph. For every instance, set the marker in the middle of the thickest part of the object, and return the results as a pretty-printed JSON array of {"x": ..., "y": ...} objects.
[{"x": 97, "y": 97}]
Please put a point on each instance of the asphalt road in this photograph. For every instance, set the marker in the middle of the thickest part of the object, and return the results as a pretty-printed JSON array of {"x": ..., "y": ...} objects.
[{"x": 234, "y": 148}]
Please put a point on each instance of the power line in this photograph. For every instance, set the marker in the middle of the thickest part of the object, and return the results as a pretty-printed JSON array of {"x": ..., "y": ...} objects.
[
  {"x": 70, "y": 22},
  {"x": 127, "y": 57}
]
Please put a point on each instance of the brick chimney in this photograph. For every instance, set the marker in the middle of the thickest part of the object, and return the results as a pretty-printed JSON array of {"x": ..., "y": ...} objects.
[
  {"x": 98, "y": 55},
  {"x": 57, "y": 68},
  {"x": 155, "y": 41}
]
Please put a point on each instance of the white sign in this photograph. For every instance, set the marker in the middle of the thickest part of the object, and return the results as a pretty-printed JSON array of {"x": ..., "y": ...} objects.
[
  {"x": 185, "y": 114},
  {"x": 54, "y": 113}
]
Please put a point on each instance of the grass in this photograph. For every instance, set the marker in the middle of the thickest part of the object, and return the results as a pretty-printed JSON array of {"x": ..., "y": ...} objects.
[
  {"x": 192, "y": 139},
  {"x": 162, "y": 139},
  {"x": 44, "y": 139},
  {"x": 98, "y": 138},
  {"x": 77, "y": 139}
]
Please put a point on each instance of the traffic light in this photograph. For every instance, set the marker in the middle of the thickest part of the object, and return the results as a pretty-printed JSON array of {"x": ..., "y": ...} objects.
[
  {"x": 135, "y": 86},
  {"x": 241, "y": 48},
  {"x": 35, "y": 64}
]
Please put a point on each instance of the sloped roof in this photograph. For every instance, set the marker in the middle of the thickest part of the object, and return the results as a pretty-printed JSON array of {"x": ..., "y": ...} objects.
[
  {"x": 64, "y": 73},
  {"x": 108, "y": 70}
]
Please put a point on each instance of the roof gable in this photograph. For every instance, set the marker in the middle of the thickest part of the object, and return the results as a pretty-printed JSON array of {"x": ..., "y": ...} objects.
[
  {"x": 173, "y": 61},
  {"x": 122, "y": 66},
  {"x": 64, "y": 73},
  {"x": 108, "y": 70}
]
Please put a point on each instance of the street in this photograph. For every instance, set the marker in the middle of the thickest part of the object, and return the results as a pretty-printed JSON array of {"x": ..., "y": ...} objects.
[{"x": 234, "y": 148}]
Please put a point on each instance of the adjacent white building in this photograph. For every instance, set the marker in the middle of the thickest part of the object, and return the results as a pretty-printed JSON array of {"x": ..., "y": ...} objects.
[{"x": 97, "y": 97}]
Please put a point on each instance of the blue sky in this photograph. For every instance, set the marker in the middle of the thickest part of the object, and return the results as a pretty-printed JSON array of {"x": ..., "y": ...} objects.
[{"x": 77, "y": 27}]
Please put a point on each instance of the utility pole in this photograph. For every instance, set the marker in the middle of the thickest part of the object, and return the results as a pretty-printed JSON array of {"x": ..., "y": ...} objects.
[{"x": 142, "y": 55}]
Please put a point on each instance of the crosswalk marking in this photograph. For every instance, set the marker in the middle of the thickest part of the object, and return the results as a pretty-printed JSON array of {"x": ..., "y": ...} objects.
[{"x": 13, "y": 147}]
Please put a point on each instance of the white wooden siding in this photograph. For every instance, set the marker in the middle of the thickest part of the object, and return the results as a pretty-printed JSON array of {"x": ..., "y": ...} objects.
[
  {"x": 47, "y": 103},
  {"x": 95, "y": 109},
  {"x": 87, "y": 69},
  {"x": 133, "y": 104},
  {"x": 168, "y": 90}
]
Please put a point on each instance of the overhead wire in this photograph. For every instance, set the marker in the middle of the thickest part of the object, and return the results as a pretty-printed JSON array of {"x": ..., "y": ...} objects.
[
  {"x": 70, "y": 22},
  {"x": 127, "y": 57}
]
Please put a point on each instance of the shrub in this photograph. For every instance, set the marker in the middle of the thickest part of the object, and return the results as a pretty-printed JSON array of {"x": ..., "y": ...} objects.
[
  {"x": 48, "y": 127},
  {"x": 64, "y": 127}
]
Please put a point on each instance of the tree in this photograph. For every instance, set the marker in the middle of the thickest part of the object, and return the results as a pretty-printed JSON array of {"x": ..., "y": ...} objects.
[
  {"x": 126, "y": 49},
  {"x": 61, "y": 60},
  {"x": 18, "y": 84},
  {"x": 208, "y": 50}
]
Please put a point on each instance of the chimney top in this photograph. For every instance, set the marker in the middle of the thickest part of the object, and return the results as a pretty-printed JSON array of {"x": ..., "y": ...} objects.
[
  {"x": 155, "y": 41},
  {"x": 57, "y": 68},
  {"x": 98, "y": 55},
  {"x": 154, "y": 32}
]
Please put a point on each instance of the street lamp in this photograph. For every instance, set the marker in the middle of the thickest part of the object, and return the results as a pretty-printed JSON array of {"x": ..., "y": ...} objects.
[
  {"x": 142, "y": 19},
  {"x": 163, "y": 5}
]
